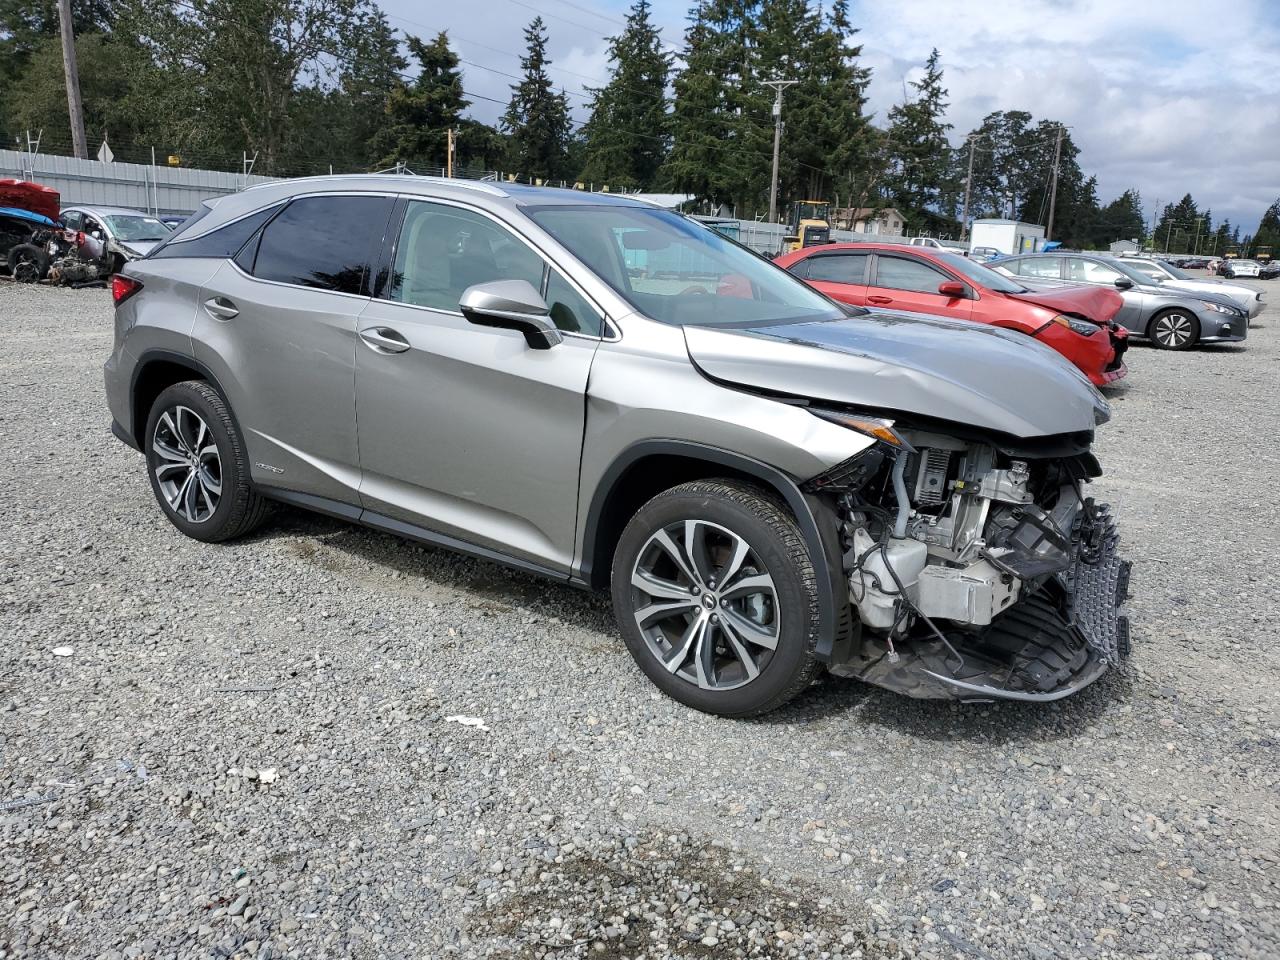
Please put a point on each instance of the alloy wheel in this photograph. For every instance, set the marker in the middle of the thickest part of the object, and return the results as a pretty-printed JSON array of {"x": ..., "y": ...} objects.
[
  {"x": 705, "y": 605},
  {"x": 188, "y": 469},
  {"x": 1174, "y": 330}
]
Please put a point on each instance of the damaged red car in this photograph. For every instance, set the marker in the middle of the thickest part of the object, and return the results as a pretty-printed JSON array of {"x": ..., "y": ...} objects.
[{"x": 1078, "y": 322}]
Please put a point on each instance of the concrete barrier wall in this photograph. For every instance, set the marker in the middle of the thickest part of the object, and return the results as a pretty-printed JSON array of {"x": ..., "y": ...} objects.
[{"x": 161, "y": 190}]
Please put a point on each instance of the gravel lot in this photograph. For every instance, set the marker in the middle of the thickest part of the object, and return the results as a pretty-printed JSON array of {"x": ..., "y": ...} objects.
[{"x": 250, "y": 751}]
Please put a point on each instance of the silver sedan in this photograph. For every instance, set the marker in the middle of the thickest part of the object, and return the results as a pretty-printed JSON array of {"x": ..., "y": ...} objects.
[
  {"x": 1166, "y": 274},
  {"x": 1171, "y": 319}
]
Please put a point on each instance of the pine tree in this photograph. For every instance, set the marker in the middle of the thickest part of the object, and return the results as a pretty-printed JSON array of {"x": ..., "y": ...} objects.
[
  {"x": 852, "y": 147},
  {"x": 922, "y": 165},
  {"x": 1268, "y": 232},
  {"x": 626, "y": 138},
  {"x": 419, "y": 115},
  {"x": 721, "y": 126},
  {"x": 537, "y": 119},
  {"x": 1122, "y": 219}
]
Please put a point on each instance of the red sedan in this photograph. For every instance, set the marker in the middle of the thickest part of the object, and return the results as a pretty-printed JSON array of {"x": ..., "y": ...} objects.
[{"x": 1078, "y": 322}]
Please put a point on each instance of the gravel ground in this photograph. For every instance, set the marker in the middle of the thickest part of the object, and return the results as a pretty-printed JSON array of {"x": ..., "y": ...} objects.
[{"x": 252, "y": 749}]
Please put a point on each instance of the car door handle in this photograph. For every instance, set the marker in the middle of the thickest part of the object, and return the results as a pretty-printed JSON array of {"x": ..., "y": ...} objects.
[
  {"x": 879, "y": 299},
  {"x": 384, "y": 340},
  {"x": 220, "y": 308}
]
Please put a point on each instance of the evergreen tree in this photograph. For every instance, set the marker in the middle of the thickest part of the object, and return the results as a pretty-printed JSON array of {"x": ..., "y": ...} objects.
[
  {"x": 419, "y": 115},
  {"x": 1121, "y": 219},
  {"x": 1175, "y": 230},
  {"x": 921, "y": 168},
  {"x": 625, "y": 141},
  {"x": 852, "y": 147},
  {"x": 537, "y": 119},
  {"x": 721, "y": 127},
  {"x": 1268, "y": 232}
]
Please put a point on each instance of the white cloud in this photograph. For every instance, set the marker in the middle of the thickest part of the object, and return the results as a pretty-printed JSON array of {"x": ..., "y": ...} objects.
[{"x": 1169, "y": 97}]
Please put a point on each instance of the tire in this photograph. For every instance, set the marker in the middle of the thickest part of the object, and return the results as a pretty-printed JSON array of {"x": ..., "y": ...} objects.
[
  {"x": 739, "y": 674},
  {"x": 190, "y": 424},
  {"x": 28, "y": 263},
  {"x": 1175, "y": 329}
]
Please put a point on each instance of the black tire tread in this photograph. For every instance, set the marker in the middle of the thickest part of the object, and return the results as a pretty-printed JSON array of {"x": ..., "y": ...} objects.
[{"x": 1151, "y": 326}]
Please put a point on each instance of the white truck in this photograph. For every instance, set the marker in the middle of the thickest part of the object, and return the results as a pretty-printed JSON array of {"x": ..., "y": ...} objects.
[{"x": 1010, "y": 237}]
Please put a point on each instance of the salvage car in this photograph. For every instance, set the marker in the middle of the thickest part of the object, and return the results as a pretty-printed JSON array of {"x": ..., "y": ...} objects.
[
  {"x": 1166, "y": 274},
  {"x": 127, "y": 234},
  {"x": 1171, "y": 319},
  {"x": 1077, "y": 323},
  {"x": 615, "y": 396},
  {"x": 21, "y": 243}
]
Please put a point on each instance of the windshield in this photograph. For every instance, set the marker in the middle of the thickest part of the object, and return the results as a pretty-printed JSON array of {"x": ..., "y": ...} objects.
[
  {"x": 125, "y": 227},
  {"x": 1151, "y": 269},
  {"x": 980, "y": 274},
  {"x": 676, "y": 271},
  {"x": 1176, "y": 272}
]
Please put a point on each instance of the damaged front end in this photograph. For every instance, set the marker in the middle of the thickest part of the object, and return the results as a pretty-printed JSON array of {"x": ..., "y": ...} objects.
[{"x": 977, "y": 569}]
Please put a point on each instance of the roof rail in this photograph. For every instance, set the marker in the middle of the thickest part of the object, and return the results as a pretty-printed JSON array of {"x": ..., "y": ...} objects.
[{"x": 481, "y": 186}]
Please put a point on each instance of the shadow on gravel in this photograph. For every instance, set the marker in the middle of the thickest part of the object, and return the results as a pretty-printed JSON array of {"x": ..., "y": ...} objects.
[
  {"x": 439, "y": 567},
  {"x": 861, "y": 705}
]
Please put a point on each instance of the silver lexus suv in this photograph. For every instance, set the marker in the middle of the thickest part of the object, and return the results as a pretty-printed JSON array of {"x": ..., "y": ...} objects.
[{"x": 615, "y": 396}]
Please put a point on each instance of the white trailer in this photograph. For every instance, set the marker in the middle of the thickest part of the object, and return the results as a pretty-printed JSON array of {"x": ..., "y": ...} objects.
[{"x": 1010, "y": 237}]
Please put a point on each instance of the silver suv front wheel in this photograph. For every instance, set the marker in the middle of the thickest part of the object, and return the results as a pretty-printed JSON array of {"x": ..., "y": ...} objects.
[{"x": 715, "y": 595}]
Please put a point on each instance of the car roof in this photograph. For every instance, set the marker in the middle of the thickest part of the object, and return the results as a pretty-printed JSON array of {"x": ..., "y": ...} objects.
[
  {"x": 106, "y": 211},
  {"x": 486, "y": 194}
]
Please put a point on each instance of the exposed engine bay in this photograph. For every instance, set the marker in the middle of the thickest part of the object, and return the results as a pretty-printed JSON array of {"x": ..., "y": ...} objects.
[{"x": 977, "y": 572}]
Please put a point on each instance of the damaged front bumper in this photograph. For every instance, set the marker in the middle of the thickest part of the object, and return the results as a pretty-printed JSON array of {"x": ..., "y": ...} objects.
[{"x": 1045, "y": 647}]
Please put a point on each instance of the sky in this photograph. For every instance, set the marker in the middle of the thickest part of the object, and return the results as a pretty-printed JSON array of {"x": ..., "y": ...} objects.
[{"x": 1166, "y": 96}]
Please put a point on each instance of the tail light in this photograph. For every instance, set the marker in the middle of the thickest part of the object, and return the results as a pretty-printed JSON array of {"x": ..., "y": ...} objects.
[{"x": 122, "y": 288}]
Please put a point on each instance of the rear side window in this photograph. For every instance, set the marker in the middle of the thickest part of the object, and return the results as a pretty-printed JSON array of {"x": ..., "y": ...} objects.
[
  {"x": 221, "y": 243},
  {"x": 322, "y": 242},
  {"x": 899, "y": 273},
  {"x": 1047, "y": 267},
  {"x": 839, "y": 268}
]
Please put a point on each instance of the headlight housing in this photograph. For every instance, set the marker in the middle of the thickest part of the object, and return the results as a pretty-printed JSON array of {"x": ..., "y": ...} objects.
[
  {"x": 877, "y": 428},
  {"x": 1082, "y": 327},
  {"x": 1221, "y": 308}
]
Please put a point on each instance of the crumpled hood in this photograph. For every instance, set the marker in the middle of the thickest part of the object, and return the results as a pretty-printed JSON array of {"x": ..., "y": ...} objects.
[
  {"x": 1094, "y": 303},
  {"x": 138, "y": 248},
  {"x": 954, "y": 370}
]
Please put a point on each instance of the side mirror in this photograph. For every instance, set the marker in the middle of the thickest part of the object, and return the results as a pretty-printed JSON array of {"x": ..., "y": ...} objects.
[
  {"x": 1123, "y": 283},
  {"x": 953, "y": 288},
  {"x": 511, "y": 305}
]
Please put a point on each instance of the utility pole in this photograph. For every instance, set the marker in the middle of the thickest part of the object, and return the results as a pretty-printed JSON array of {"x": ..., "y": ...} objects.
[
  {"x": 75, "y": 105},
  {"x": 448, "y": 161},
  {"x": 968, "y": 179},
  {"x": 1053, "y": 192},
  {"x": 778, "y": 86},
  {"x": 1196, "y": 250}
]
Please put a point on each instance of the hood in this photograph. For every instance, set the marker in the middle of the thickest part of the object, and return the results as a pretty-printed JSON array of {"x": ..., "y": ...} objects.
[
  {"x": 1093, "y": 303},
  {"x": 138, "y": 248},
  {"x": 953, "y": 370},
  {"x": 1042, "y": 285},
  {"x": 1216, "y": 290}
]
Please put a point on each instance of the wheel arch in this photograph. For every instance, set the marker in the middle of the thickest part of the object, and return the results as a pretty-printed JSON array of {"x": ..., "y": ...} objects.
[
  {"x": 647, "y": 468},
  {"x": 155, "y": 371}
]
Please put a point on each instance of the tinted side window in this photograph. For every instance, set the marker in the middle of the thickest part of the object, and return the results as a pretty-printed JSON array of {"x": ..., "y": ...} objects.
[
  {"x": 73, "y": 220},
  {"x": 1048, "y": 267},
  {"x": 443, "y": 250},
  {"x": 223, "y": 242},
  {"x": 800, "y": 268},
  {"x": 839, "y": 268},
  {"x": 322, "y": 242},
  {"x": 899, "y": 273}
]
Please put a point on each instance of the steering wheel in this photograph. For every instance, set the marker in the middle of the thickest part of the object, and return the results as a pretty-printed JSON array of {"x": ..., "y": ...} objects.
[{"x": 695, "y": 290}]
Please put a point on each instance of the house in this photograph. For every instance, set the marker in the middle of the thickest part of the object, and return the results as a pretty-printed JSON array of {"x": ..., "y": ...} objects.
[
  {"x": 1121, "y": 247},
  {"x": 870, "y": 220}
]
